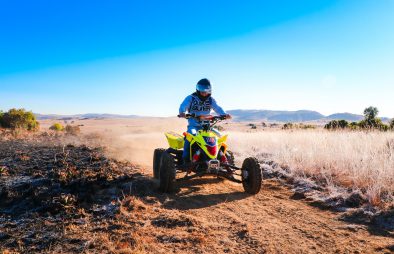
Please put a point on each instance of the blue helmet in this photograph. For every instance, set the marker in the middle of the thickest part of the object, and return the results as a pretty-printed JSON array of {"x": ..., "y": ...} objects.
[{"x": 204, "y": 86}]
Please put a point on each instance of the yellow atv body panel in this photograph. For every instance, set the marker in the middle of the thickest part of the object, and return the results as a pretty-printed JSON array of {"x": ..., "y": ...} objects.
[
  {"x": 175, "y": 140},
  {"x": 199, "y": 139}
]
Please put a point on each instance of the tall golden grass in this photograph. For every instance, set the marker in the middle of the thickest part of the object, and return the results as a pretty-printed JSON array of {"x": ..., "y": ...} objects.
[{"x": 358, "y": 160}]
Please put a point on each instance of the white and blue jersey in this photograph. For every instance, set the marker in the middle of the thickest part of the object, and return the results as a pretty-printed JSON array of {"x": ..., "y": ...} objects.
[{"x": 194, "y": 105}]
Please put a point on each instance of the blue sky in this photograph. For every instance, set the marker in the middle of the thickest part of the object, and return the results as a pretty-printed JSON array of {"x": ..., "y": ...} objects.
[{"x": 144, "y": 57}]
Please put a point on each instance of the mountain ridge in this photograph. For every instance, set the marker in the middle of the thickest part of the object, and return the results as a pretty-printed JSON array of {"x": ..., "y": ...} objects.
[
  {"x": 292, "y": 116},
  {"x": 238, "y": 115}
]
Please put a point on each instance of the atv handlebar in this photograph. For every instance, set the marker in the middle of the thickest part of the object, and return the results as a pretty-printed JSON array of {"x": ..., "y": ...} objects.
[{"x": 205, "y": 117}]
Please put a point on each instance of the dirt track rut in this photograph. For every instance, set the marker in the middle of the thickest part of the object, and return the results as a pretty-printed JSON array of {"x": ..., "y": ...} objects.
[{"x": 230, "y": 221}]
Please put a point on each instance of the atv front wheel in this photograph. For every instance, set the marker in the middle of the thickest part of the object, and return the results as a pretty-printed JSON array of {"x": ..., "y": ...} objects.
[
  {"x": 251, "y": 175},
  {"x": 156, "y": 162},
  {"x": 167, "y": 172}
]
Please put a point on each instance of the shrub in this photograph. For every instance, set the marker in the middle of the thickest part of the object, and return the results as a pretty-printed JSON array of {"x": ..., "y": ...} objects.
[
  {"x": 72, "y": 130},
  {"x": 343, "y": 124},
  {"x": 392, "y": 124},
  {"x": 333, "y": 124},
  {"x": 57, "y": 127},
  {"x": 375, "y": 123},
  {"x": 1, "y": 116},
  {"x": 353, "y": 126},
  {"x": 336, "y": 124},
  {"x": 306, "y": 126},
  {"x": 19, "y": 119},
  {"x": 252, "y": 126},
  {"x": 384, "y": 127},
  {"x": 288, "y": 126}
]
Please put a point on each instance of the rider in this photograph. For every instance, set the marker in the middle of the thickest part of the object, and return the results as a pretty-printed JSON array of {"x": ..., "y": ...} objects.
[{"x": 198, "y": 103}]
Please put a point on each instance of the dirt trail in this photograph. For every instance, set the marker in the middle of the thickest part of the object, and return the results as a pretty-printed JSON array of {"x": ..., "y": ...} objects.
[
  {"x": 270, "y": 222},
  {"x": 73, "y": 199}
]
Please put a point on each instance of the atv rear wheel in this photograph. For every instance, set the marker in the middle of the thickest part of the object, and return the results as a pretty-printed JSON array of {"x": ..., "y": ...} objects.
[
  {"x": 156, "y": 162},
  {"x": 167, "y": 172},
  {"x": 251, "y": 175}
]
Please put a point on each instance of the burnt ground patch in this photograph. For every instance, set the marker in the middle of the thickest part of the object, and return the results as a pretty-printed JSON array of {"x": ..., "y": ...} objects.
[{"x": 48, "y": 189}]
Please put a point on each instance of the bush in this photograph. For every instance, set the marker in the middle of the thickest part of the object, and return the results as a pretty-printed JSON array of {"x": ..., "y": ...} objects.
[
  {"x": 375, "y": 123},
  {"x": 288, "y": 126},
  {"x": 252, "y": 126},
  {"x": 57, "y": 127},
  {"x": 1, "y": 116},
  {"x": 392, "y": 124},
  {"x": 336, "y": 124},
  {"x": 354, "y": 126},
  {"x": 306, "y": 126},
  {"x": 384, "y": 127},
  {"x": 343, "y": 124},
  {"x": 19, "y": 119},
  {"x": 72, "y": 130}
]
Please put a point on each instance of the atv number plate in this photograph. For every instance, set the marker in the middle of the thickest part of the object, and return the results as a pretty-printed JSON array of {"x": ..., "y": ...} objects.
[{"x": 213, "y": 164}]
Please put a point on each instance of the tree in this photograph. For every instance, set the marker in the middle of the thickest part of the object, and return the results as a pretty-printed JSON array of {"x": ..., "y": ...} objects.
[
  {"x": 371, "y": 121},
  {"x": 19, "y": 119},
  {"x": 371, "y": 113}
]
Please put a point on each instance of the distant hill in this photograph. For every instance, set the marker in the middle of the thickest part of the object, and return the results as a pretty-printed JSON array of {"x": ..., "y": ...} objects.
[
  {"x": 238, "y": 115},
  {"x": 273, "y": 115},
  {"x": 292, "y": 116},
  {"x": 351, "y": 117},
  {"x": 345, "y": 116},
  {"x": 82, "y": 116}
]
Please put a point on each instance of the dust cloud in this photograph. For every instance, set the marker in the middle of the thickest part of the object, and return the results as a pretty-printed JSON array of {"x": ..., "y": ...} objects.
[{"x": 133, "y": 140}]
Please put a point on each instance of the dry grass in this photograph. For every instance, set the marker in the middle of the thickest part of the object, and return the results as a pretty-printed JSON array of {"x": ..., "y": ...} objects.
[{"x": 357, "y": 160}]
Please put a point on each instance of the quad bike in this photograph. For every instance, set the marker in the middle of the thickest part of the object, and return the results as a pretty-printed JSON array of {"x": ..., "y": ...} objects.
[{"x": 208, "y": 156}]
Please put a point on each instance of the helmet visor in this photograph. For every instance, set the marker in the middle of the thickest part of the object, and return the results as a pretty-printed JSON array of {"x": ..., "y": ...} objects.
[{"x": 204, "y": 88}]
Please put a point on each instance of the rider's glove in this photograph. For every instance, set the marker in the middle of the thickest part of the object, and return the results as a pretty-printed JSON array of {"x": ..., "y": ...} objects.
[
  {"x": 182, "y": 115},
  {"x": 228, "y": 116}
]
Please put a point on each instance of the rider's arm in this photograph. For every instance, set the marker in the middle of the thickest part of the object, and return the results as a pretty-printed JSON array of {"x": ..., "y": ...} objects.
[
  {"x": 217, "y": 108},
  {"x": 185, "y": 105}
]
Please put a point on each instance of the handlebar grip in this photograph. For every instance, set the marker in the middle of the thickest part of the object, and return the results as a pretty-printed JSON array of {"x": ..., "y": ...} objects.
[{"x": 188, "y": 115}]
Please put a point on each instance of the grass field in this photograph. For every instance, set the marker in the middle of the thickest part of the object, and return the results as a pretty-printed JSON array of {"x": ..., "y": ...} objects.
[
  {"x": 350, "y": 159},
  {"x": 359, "y": 160}
]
